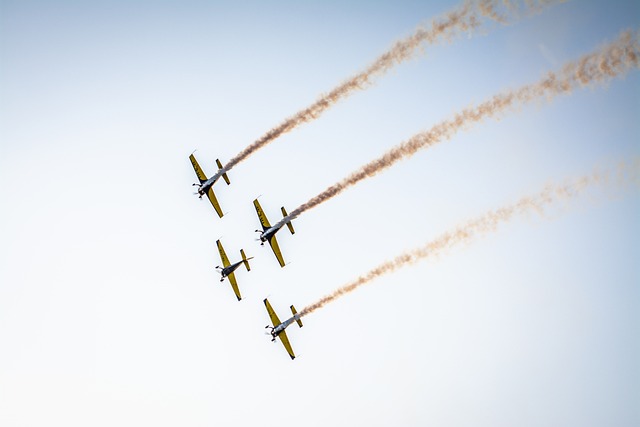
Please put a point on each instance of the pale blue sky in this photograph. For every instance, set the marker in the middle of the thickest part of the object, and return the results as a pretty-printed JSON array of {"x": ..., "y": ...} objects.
[{"x": 111, "y": 312}]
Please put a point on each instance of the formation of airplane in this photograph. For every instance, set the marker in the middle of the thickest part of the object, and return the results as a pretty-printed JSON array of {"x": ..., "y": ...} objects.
[
  {"x": 277, "y": 330},
  {"x": 227, "y": 269},
  {"x": 268, "y": 233},
  {"x": 206, "y": 184}
]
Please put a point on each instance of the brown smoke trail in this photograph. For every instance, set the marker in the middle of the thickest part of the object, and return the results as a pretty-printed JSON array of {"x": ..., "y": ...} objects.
[
  {"x": 466, "y": 17},
  {"x": 596, "y": 67},
  {"x": 626, "y": 174}
]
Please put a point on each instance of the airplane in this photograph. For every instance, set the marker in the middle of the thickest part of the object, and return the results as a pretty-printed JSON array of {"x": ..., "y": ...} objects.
[
  {"x": 277, "y": 330},
  {"x": 227, "y": 269},
  {"x": 268, "y": 233},
  {"x": 206, "y": 184}
]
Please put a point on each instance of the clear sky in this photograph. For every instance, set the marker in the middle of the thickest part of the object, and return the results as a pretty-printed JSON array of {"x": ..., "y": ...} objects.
[{"x": 111, "y": 312}]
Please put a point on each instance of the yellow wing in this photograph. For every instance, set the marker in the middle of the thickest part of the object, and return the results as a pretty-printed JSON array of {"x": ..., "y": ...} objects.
[
  {"x": 272, "y": 313},
  {"x": 276, "y": 250},
  {"x": 214, "y": 202},
  {"x": 263, "y": 218},
  {"x": 234, "y": 285},
  {"x": 283, "y": 336},
  {"x": 286, "y": 344},
  {"x": 223, "y": 255},
  {"x": 196, "y": 167}
]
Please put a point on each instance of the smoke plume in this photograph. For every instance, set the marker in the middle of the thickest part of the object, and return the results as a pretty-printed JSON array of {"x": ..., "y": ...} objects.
[
  {"x": 594, "y": 68},
  {"x": 625, "y": 174},
  {"x": 469, "y": 16}
]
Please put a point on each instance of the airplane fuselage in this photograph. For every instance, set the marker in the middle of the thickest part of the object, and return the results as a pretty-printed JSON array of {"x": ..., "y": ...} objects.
[
  {"x": 282, "y": 326},
  {"x": 226, "y": 271},
  {"x": 269, "y": 233},
  {"x": 205, "y": 186}
]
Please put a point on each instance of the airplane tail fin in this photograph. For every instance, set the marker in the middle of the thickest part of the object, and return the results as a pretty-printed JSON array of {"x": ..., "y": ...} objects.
[
  {"x": 298, "y": 321},
  {"x": 224, "y": 175},
  {"x": 245, "y": 260},
  {"x": 289, "y": 225}
]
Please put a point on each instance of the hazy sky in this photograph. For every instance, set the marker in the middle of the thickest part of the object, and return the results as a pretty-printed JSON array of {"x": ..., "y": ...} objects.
[{"x": 111, "y": 312}]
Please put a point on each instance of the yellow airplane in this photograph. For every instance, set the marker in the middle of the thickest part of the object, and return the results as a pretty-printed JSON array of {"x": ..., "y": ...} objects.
[
  {"x": 206, "y": 184},
  {"x": 277, "y": 330},
  {"x": 268, "y": 233},
  {"x": 227, "y": 269}
]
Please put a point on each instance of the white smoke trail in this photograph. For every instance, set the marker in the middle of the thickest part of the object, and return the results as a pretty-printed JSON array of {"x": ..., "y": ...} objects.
[
  {"x": 468, "y": 16},
  {"x": 594, "y": 68},
  {"x": 626, "y": 174}
]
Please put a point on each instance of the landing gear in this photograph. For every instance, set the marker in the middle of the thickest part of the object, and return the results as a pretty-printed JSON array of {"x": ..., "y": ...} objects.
[
  {"x": 273, "y": 337},
  {"x": 200, "y": 193}
]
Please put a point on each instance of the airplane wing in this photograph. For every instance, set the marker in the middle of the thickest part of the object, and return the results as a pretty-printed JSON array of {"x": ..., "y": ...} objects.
[
  {"x": 196, "y": 167},
  {"x": 234, "y": 285},
  {"x": 214, "y": 202},
  {"x": 283, "y": 336},
  {"x": 276, "y": 250},
  {"x": 223, "y": 255},
  {"x": 272, "y": 313},
  {"x": 263, "y": 218},
  {"x": 285, "y": 342}
]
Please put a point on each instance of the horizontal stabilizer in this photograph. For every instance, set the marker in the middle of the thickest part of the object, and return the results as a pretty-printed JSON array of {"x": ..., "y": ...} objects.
[
  {"x": 298, "y": 321},
  {"x": 245, "y": 260},
  {"x": 289, "y": 225},
  {"x": 224, "y": 175}
]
